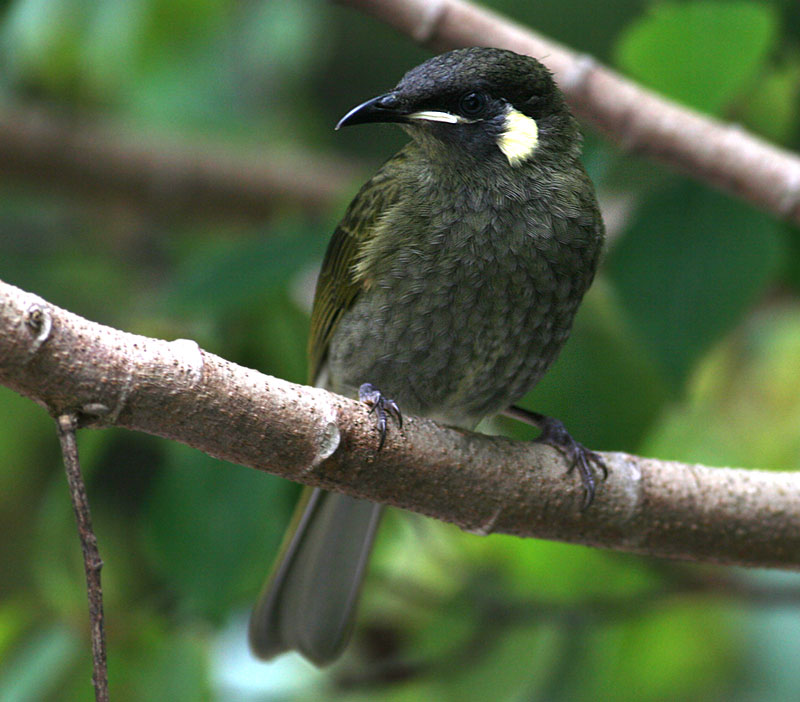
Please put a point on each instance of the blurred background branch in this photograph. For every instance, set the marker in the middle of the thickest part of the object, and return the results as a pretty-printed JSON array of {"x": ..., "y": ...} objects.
[
  {"x": 88, "y": 157},
  {"x": 166, "y": 175},
  {"x": 723, "y": 155}
]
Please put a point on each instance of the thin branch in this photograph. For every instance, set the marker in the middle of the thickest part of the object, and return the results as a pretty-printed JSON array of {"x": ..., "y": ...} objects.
[
  {"x": 723, "y": 155},
  {"x": 92, "y": 563},
  {"x": 481, "y": 483},
  {"x": 101, "y": 160}
]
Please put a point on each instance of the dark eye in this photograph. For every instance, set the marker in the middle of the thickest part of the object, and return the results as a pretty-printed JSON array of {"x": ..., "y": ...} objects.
[{"x": 473, "y": 104}]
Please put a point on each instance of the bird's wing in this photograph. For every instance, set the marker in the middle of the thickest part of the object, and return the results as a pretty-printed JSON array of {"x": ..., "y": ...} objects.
[{"x": 339, "y": 284}]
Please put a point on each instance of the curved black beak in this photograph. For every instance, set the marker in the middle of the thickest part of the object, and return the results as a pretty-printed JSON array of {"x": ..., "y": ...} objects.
[{"x": 384, "y": 108}]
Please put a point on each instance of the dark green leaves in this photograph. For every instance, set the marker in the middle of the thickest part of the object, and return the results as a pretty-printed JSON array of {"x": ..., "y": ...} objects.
[
  {"x": 212, "y": 528},
  {"x": 702, "y": 54},
  {"x": 690, "y": 265}
]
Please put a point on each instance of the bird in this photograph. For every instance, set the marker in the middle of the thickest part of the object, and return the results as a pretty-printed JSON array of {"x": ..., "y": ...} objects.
[{"x": 447, "y": 290}]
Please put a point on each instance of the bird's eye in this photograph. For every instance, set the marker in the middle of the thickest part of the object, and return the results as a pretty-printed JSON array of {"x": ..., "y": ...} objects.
[{"x": 473, "y": 104}]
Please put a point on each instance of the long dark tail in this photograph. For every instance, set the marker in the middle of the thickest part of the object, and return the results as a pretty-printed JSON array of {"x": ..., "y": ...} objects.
[{"x": 309, "y": 601}]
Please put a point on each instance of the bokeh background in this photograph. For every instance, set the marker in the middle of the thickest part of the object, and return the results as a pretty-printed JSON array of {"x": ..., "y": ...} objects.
[{"x": 687, "y": 347}]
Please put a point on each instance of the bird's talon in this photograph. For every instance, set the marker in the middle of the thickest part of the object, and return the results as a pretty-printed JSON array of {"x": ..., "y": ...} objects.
[
  {"x": 576, "y": 454},
  {"x": 394, "y": 410},
  {"x": 381, "y": 407}
]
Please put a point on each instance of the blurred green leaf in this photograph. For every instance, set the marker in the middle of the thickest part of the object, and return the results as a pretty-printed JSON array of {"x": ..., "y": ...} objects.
[
  {"x": 604, "y": 385},
  {"x": 181, "y": 86},
  {"x": 550, "y": 571},
  {"x": 679, "y": 651},
  {"x": 35, "y": 670},
  {"x": 55, "y": 558},
  {"x": 792, "y": 269},
  {"x": 770, "y": 670},
  {"x": 770, "y": 106},
  {"x": 22, "y": 422},
  {"x": 221, "y": 275},
  {"x": 212, "y": 528},
  {"x": 566, "y": 20},
  {"x": 175, "y": 22},
  {"x": 688, "y": 268},
  {"x": 701, "y": 53},
  {"x": 742, "y": 407},
  {"x": 277, "y": 340},
  {"x": 42, "y": 40},
  {"x": 113, "y": 47},
  {"x": 283, "y": 40},
  {"x": 504, "y": 667},
  {"x": 86, "y": 282},
  {"x": 15, "y": 616},
  {"x": 168, "y": 665}
]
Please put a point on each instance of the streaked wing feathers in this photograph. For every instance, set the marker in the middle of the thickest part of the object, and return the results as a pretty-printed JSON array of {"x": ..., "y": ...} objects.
[{"x": 338, "y": 284}]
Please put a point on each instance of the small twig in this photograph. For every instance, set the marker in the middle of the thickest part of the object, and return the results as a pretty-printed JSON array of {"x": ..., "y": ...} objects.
[{"x": 92, "y": 563}]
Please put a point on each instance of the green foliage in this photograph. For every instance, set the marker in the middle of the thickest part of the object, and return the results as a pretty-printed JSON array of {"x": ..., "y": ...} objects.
[
  {"x": 209, "y": 528},
  {"x": 690, "y": 264},
  {"x": 749, "y": 381},
  {"x": 222, "y": 276},
  {"x": 604, "y": 359},
  {"x": 169, "y": 666},
  {"x": 703, "y": 54},
  {"x": 678, "y": 652},
  {"x": 687, "y": 347},
  {"x": 770, "y": 105},
  {"x": 39, "y": 665}
]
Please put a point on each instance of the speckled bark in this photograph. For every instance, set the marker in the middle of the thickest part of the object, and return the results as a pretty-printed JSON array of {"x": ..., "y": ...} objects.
[{"x": 484, "y": 484}]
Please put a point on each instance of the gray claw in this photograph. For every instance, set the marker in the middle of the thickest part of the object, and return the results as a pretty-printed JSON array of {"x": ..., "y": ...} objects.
[{"x": 382, "y": 407}]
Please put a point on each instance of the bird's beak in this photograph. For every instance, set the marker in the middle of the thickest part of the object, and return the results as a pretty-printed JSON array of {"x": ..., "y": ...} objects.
[
  {"x": 384, "y": 108},
  {"x": 387, "y": 108}
]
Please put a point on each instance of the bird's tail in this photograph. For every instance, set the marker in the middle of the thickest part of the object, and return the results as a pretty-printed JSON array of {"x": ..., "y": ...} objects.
[{"x": 309, "y": 601}]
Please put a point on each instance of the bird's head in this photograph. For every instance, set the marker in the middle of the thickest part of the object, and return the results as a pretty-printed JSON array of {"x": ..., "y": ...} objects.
[{"x": 485, "y": 103}]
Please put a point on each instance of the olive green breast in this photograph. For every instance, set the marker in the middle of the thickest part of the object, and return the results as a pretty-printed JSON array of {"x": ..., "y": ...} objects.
[{"x": 466, "y": 285}]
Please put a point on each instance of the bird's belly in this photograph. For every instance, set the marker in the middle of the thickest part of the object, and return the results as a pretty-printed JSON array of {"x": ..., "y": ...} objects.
[{"x": 459, "y": 350}]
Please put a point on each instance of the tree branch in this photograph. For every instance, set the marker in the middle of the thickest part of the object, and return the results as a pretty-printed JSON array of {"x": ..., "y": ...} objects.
[
  {"x": 723, "y": 155},
  {"x": 90, "y": 157},
  {"x": 482, "y": 483}
]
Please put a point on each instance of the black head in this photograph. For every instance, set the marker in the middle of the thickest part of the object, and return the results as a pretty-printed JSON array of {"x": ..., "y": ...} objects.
[{"x": 484, "y": 102}]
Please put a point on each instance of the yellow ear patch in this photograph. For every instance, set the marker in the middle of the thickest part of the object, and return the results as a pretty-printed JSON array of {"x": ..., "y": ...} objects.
[{"x": 519, "y": 138}]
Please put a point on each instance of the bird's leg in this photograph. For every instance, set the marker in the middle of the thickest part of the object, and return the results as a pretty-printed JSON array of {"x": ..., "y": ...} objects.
[
  {"x": 555, "y": 434},
  {"x": 383, "y": 408}
]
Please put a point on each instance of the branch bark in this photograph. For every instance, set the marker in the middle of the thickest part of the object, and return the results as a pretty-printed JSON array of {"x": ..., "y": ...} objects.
[
  {"x": 482, "y": 483},
  {"x": 92, "y": 563},
  {"x": 98, "y": 159},
  {"x": 723, "y": 155}
]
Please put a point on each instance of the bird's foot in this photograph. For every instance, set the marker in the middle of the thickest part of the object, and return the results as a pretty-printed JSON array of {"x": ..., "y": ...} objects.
[
  {"x": 555, "y": 434},
  {"x": 383, "y": 408}
]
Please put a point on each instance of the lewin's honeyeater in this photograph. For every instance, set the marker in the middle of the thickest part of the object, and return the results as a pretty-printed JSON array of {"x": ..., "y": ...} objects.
[{"x": 448, "y": 288}]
